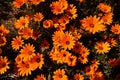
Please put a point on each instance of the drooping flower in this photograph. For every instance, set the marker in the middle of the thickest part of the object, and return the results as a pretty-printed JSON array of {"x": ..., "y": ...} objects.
[
  {"x": 36, "y": 34},
  {"x": 59, "y": 74},
  {"x": 102, "y": 47},
  {"x": 4, "y": 64},
  {"x": 115, "y": 29},
  {"x": 17, "y": 43},
  {"x": 93, "y": 24},
  {"x": 38, "y": 17},
  {"x": 45, "y": 44},
  {"x": 37, "y": 61},
  {"x": 78, "y": 76},
  {"x": 2, "y": 41},
  {"x": 27, "y": 52},
  {"x": 40, "y": 77},
  {"x": 21, "y": 23}
]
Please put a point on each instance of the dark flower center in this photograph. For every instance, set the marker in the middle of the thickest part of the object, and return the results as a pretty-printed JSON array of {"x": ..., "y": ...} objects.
[
  {"x": 67, "y": 42},
  {"x": 38, "y": 60}
]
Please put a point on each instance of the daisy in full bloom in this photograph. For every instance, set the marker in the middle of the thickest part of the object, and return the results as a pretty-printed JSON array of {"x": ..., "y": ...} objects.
[
  {"x": 104, "y": 7},
  {"x": 24, "y": 68},
  {"x": 115, "y": 29},
  {"x": 38, "y": 17},
  {"x": 4, "y": 64},
  {"x": 17, "y": 43},
  {"x": 59, "y": 74},
  {"x": 102, "y": 47},
  {"x": 27, "y": 52},
  {"x": 107, "y": 18},
  {"x": 37, "y": 61},
  {"x": 78, "y": 76},
  {"x": 93, "y": 24},
  {"x": 2, "y": 41},
  {"x": 22, "y": 23},
  {"x": 58, "y": 7},
  {"x": 67, "y": 41},
  {"x": 40, "y": 77},
  {"x": 71, "y": 12}
]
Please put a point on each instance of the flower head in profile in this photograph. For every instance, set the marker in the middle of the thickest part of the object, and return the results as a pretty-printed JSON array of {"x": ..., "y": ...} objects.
[
  {"x": 59, "y": 74},
  {"x": 36, "y": 2},
  {"x": 27, "y": 52},
  {"x": 40, "y": 77},
  {"x": 17, "y": 43},
  {"x": 102, "y": 47},
  {"x": 93, "y": 24},
  {"x": 4, "y": 64},
  {"x": 19, "y": 3}
]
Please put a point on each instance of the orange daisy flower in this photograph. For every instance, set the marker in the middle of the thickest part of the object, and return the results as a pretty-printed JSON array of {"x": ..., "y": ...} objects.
[
  {"x": 38, "y": 17},
  {"x": 37, "y": 61},
  {"x": 58, "y": 7},
  {"x": 102, "y": 47},
  {"x": 17, "y": 43},
  {"x": 3, "y": 31},
  {"x": 71, "y": 11},
  {"x": 107, "y": 18},
  {"x": 71, "y": 60},
  {"x": 22, "y": 23},
  {"x": 93, "y": 24},
  {"x": 18, "y": 3},
  {"x": 63, "y": 20},
  {"x": 40, "y": 77},
  {"x": 36, "y": 2},
  {"x": 57, "y": 36},
  {"x": 77, "y": 47},
  {"x": 78, "y": 76},
  {"x": 26, "y": 32},
  {"x": 83, "y": 59},
  {"x": 18, "y": 59},
  {"x": 24, "y": 68},
  {"x": 115, "y": 29},
  {"x": 3, "y": 64},
  {"x": 27, "y": 52},
  {"x": 59, "y": 74},
  {"x": 112, "y": 42},
  {"x": 2, "y": 41},
  {"x": 47, "y": 24},
  {"x": 67, "y": 41},
  {"x": 104, "y": 7}
]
